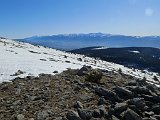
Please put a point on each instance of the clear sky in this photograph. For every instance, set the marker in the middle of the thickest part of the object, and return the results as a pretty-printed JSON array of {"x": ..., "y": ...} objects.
[{"x": 25, "y": 18}]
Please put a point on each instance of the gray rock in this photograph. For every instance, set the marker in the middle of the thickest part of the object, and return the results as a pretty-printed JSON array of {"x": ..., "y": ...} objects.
[
  {"x": 138, "y": 102},
  {"x": 18, "y": 91},
  {"x": 104, "y": 92},
  {"x": 19, "y": 72},
  {"x": 77, "y": 88},
  {"x": 34, "y": 98},
  {"x": 153, "y": 118},
  {"x": 4, "y": 86},
  {"x": 79, "y": 59},
  {"x": 42, "y": 115},
  {"x": 78, "y": 104},
  {"x": 142, "y": 90},
  {"x": 151, "y": 87},
  {"x": 72, "y": 115},
  {"x": 114, "y": 117},
  {"x": 31, "y": 78},
  {"x": 121, "y": 106},
  {"x": 102, "y": 110},
  {"x": 17, "y": 102},
  {"x": 84, "y": 70},
  {"x": 148, "y": 114},
  {"x": 157, "y": 117},
  {"x": 96, "y": 113},
  {"x": 55, "y": 71},
  {"x": 132, "y": 83},
  {"x": 85, "y": 114},
  {"x": 123, "y": 92},
  {"x": 110, "y": 111},
  {"x": 156, "y": 109},
  {"x": 101, "y": 101},
  {"x": 20, "y": 117},
  {"x": 153, "y": 99},
  {"x": 86, "y": 98},
  {"x": 78, "y": 82},
  {"x": 131, "y": 115}
]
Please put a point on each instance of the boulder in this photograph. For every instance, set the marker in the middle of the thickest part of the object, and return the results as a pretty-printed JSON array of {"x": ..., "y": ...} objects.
[
  {"x": 73, "y": 115},
  {"x": 102, "y": 101},
  {"x": 148, "y": 114},
  {"x": 131, "y": 115},
  {"x": 96, "y": 113},
  {"x": 20, "y": 117},
  {"x": 78, "y": 104},
  {"x": 104, "y": 92},
  {"x": 138, "y": 102},
  {"x": 119, "y": 108},
  {"x": 85, "y": 114},
  {"x": 19, "y": 72},
  {"x": 123, "y": 92},
  {"x": 79, "y": 59},
  {"x": 84, "y": 70},
  {"x": 132, "y": 83},
  {"x": 156, "y": 109},
  {"x": 157, "y": 116},
  {"x": 114, "y": 117},
  {"x": 142, "y": 90},
  {"x": 153, "y": 99},
  {"x": 42, "y": 115},
  {"x": 102, "y": 110}
]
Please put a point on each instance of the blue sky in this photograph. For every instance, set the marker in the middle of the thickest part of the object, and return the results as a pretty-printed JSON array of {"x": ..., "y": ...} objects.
[{"x": 24, "y": 18}]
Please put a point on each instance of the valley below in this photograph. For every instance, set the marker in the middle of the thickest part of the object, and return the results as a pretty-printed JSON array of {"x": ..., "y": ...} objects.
[{"x": 133, "y": 57}]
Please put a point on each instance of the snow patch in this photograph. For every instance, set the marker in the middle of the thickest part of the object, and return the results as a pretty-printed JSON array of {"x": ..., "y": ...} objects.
[
  {"x": 135, "y": 52},
  {"x": 99, "y": 48}
]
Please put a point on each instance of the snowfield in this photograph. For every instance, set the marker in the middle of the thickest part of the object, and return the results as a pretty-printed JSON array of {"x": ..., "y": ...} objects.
[{"x": 34, "y": 60}]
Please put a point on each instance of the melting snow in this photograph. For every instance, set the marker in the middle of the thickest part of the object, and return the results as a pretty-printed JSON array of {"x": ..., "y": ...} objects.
[{"x": 34, "y": 60}]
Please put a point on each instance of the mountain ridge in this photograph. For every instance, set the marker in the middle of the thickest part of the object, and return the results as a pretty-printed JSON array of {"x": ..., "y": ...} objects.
[{"x": 76, "y": 41}]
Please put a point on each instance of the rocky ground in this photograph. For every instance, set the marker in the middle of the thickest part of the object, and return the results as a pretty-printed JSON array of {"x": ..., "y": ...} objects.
[{"x": 85, "y": 94}]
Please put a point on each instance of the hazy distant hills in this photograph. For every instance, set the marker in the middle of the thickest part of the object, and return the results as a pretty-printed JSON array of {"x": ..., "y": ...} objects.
[
  {"x": 136, "y": 57},
  {"x": 76, "y": 41}
]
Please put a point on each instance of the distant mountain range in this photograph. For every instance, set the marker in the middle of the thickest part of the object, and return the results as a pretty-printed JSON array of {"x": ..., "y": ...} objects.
[
  {"x": 76, "y": 41},
  {"x": 134, "y": 57}
]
